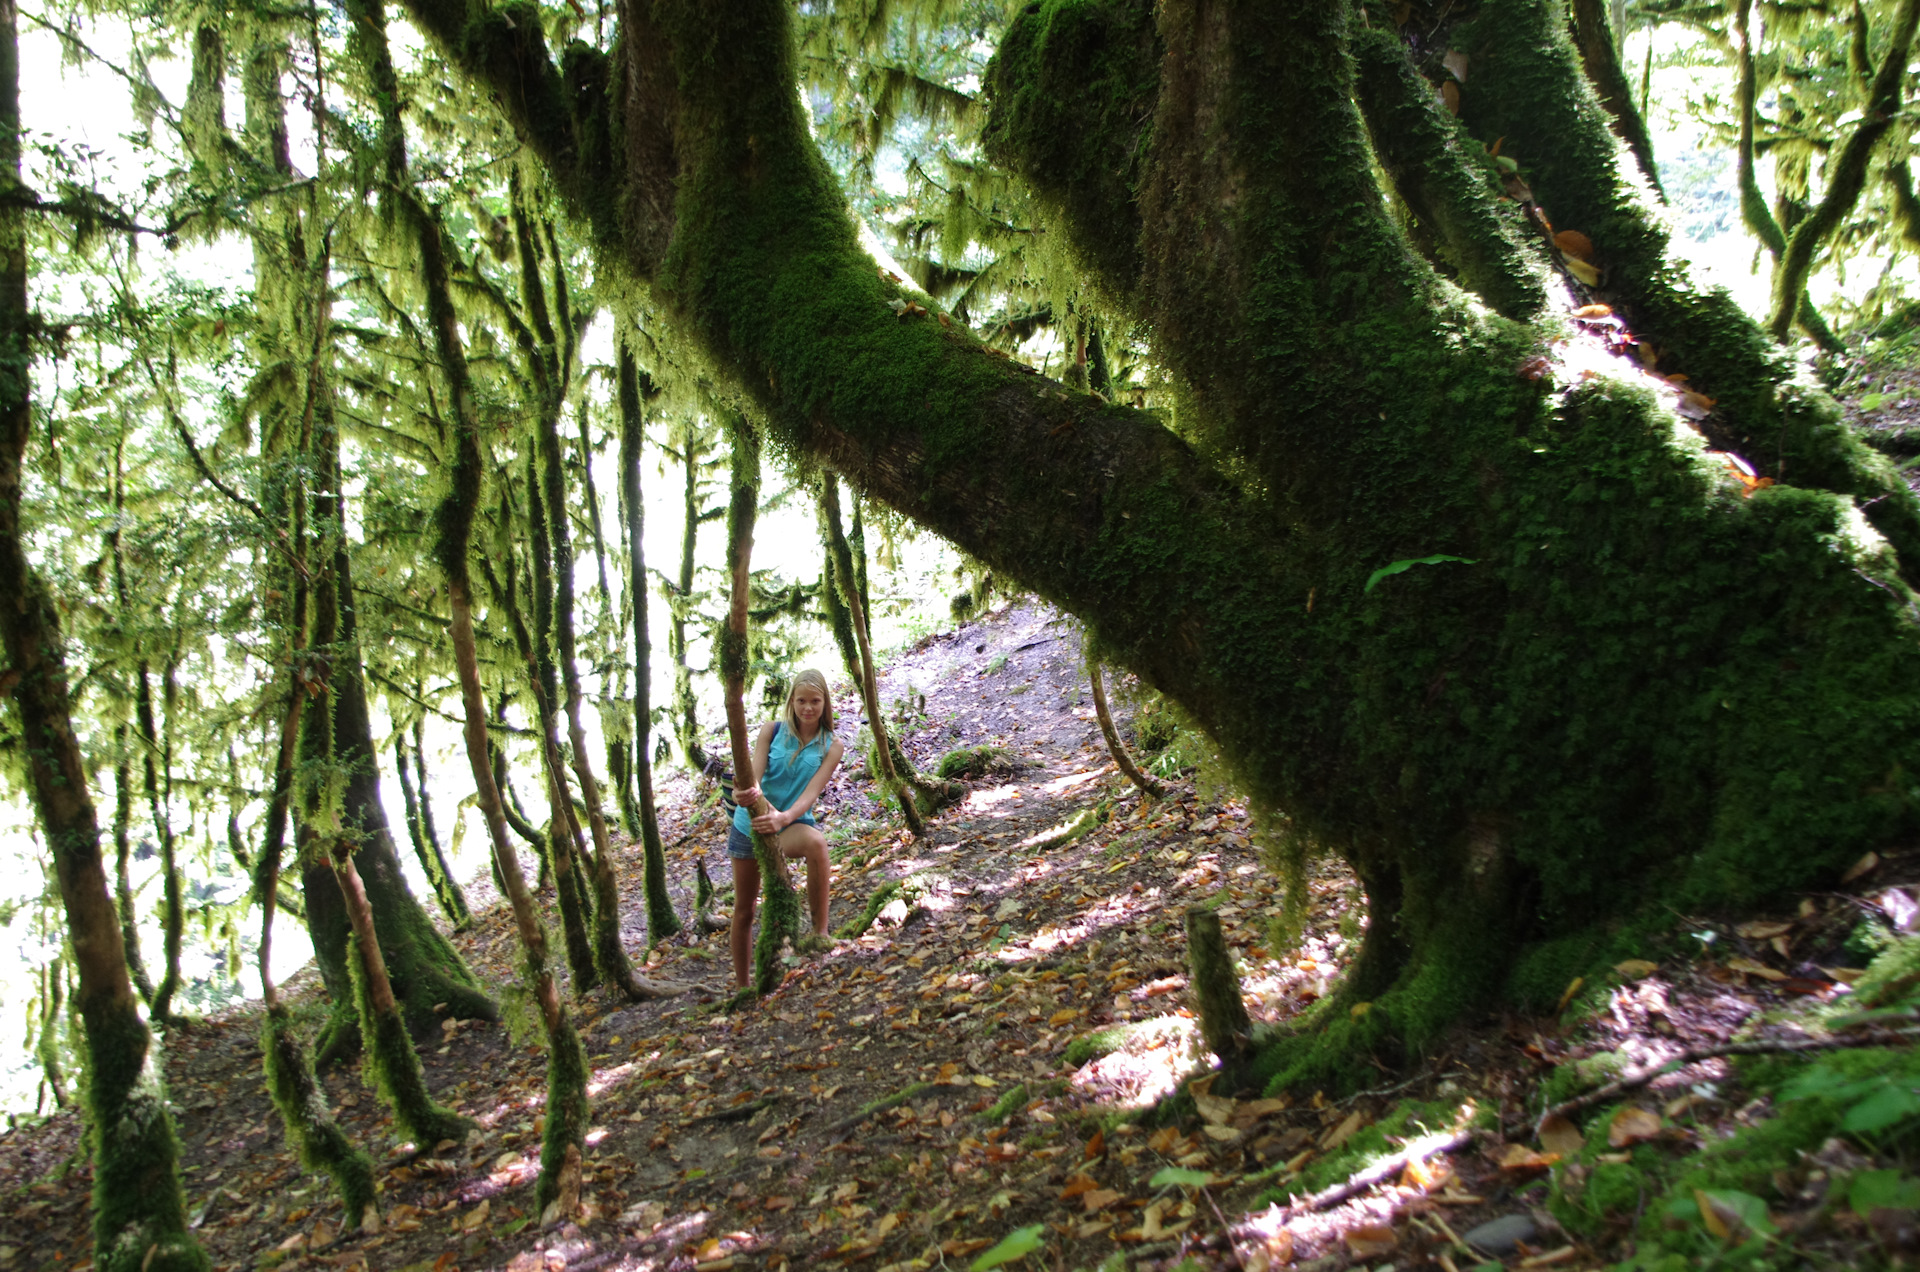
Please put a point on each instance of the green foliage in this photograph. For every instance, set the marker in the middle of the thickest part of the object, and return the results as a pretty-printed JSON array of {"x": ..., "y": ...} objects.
[
  {"x": 972, "y": 762},
  {"x": 1017, "y": 1244}
]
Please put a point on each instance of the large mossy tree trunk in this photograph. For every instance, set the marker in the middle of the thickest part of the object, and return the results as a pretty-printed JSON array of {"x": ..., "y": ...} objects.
[
  {"x": 139, "y": 1211},
  {"x": 1632, "y": 682},
  {"x": 662, "y": 921}
]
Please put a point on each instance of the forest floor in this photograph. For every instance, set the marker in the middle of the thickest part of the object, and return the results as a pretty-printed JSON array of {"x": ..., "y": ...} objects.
[{"x": 908, "y": 1101}]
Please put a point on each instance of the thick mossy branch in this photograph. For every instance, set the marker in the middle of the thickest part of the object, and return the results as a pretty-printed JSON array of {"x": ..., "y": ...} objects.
[
  {"x": 393, "y": 1067},
  {"x": 1526, "y": 87},
  {"x": 1446, "y": 180},
  {"x": 568, "y": 1112},
  {"x": 322, "y": 1146},
  {"x": 1216, "y": 987}
]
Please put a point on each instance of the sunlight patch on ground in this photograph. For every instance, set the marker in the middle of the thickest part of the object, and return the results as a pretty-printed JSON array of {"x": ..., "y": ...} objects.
[
  {"x": 1061, "y": 785},
  {"x": 983, "y": 801},
  {"x": 604, "y": 1078},
  {"x": 1156, "y": 1057}
]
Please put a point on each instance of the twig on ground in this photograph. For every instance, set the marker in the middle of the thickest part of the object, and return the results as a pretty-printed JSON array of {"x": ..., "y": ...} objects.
[
  {"x": 879, "y": 1106},
  {"x": 1694, "y": 1055},
  {"x": 1226, "y": 1230},
  {"x": 1379, "y": 1172},
  {"x": 739, "y": 1112}
]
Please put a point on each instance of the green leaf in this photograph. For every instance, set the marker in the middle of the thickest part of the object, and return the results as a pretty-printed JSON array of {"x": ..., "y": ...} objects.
[
  {"x": 1751, "y": 1209},
  {"x": 1015, "y": 1245},
  {"x": 1883, "y": 1190},
  {"x": 508, "y": 1229},
  {"x": 1180, "y": 1174},
  {"x": 1401, "y": 567},
  {"x": 1886, "y": 1107},
  {"x": 1872, "y": 401}
]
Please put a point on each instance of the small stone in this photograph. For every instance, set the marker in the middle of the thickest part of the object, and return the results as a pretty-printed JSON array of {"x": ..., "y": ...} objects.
[{"x": 1501, "y": 1236}]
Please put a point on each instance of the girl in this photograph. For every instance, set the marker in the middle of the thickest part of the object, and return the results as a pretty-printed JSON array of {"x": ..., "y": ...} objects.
[{"x": 793, "y": 757}]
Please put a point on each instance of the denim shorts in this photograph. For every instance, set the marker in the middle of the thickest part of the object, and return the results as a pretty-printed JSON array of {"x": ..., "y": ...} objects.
[{"x": 740, "y": 843}]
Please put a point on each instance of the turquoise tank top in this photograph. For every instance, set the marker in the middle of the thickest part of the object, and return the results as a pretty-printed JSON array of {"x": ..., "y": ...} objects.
[{"x": 790, "y": 767}]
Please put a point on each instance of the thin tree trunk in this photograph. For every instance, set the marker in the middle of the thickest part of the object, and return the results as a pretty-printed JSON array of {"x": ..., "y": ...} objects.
[
  {"x": 427, "y": 827},
  {"x": 686, "y": 712},
  {"x": 1115, "y": 746},
  {"x": 122, "y": 852},
  {"x": 562, "y": 832},
  {"x": 780, "y": 904},
  {"x": 172, "y": 918},
  {"x": 139, "y": 1213},
  {"x": 882, "y": 752},
  {"x": 662, "y": 922},
  {"x": 426, "y": 843}
]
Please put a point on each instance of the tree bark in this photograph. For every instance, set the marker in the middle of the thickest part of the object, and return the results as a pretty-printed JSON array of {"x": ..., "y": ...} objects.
[
  {"x": 1627, "y": 650},
  {"x": 420, "y": 828},
  {"x": 693, "y": 449},
  {"x": 662, "y": 922},
  {"x": 139, "y": 1213}
]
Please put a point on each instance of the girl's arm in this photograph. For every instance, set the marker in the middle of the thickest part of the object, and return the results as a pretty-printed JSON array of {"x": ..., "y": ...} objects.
[
  {"x": 782, "y": 819},
  {"x": 762, "y": 746}
]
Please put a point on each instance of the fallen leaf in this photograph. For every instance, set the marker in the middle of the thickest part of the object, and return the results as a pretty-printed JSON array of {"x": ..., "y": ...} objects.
[
  {"x": 1764, "y": 929},
  {"x": 1450, "y": 97},
  {"x": 1561, "y": 1137},
  {"x": 1582, "y": 271},
  {"x": 1747, "y": 967},
  {"x": 1077, "y": 1184},
  {"x": 1522, "y": 1160},
  {"x": 1632, "y": 1125},
  {"x": 1592, "y": 311},
  {"x": 1636, "y": 968},
  {"x": 1343, "y": 1132},
  {"x": 1100, "y": 1199},
  {"x": 1574, "y": 243},
  {"x": 1865, "y": 865},
  {"x": 1456, "y": 63},
  {"x": 477, "y": 1216},
  {"x": 1372, "y": 1241},
  {"x": 1095, "y": 1146}
]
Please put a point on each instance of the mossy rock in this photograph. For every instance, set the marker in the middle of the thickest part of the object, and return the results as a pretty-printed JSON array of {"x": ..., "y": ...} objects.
[
  {"x": 970, "y": 762},
  {"x": 1101, "y": 1043}
]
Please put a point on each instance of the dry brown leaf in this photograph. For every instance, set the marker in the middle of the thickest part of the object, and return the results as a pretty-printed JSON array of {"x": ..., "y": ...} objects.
[
  {"x": 1450, "y": 97},
  {"x": 1636, "y": 968},
  {"x": 1764, "y": 929},
  {"x": 1574, "y": 243},
  {"x": 1456, "y": 63},
  {"x": 1343, "y": 1132},
  {"x": 1373, "y": 1240},
  {"x": 1747, "y": 967},
  {"x": 1522, "y": 1160},
  {"x": 1100, "y": 1199},
  {"x": 1561, "y": 1137},
  {"x": 1632, "y": 1125},
  {"x": 1077, "y": 1184},
  {"x": 1866, "y": 865},
  {"x": 1579, "y": 268},
  {"x": 1095, "y": 1146}
]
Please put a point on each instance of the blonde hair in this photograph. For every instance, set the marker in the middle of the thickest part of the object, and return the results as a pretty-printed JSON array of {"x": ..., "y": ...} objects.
[{"x": 818, "y": 681}]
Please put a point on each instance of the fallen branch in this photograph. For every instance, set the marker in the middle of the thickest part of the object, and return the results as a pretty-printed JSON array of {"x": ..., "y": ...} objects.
[
  {"x": 1694, "y": 1055},
  {"x": 879, "y": 1106},
  {"x": 1379, "y": 1172},
  {"x": 738, "y": 1113}
]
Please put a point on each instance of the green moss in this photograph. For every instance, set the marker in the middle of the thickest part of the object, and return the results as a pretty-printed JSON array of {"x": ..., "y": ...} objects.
[
  {"x": 393, "y": 1067},
  {"x": 322, "y": 1146},
  {"x": 1893, "y": 976},
  {"x": 1100, "y": 1043},
  {"x": 568, "y": 1109},
  {"x": 1403, "y": 1121},
  {"x": 1011, "y": 1102},
  {"x": 973, "y": 761},
  {"x": 139, "y": 1213}
]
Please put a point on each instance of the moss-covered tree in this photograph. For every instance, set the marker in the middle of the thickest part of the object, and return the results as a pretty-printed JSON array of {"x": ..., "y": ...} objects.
[
  {"x": 1632, "y": 680},
  {"x": 139, "y": 1212}
]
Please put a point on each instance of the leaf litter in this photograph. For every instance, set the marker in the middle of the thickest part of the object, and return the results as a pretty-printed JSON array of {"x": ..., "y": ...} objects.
[{"x": 905, "y": 1102}]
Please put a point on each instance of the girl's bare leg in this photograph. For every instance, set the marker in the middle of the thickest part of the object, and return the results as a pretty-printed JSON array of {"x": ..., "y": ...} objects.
[
  {"x": 746, "y": 891},
  {"x": 806, "y": 843}
]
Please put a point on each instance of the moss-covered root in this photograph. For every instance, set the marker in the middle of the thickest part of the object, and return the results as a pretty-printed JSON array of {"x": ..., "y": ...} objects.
[
  {"x": 911, "y": 1091},
  {"x": 855, "y": 928},
  {"x": 1007, "y": 1105},
  {"x": 779, "y": 918},
  {"x": 139, "y": 1213},
  {"x": 1216, "y": 988},
  {"x": 1099, "y": 1044},
  {"x": 323, "y": 1147},
  {"x": 557, "y": 1193},
  {"x": 393, "y": 1066},
  {"x": 703, "y": 901}
]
